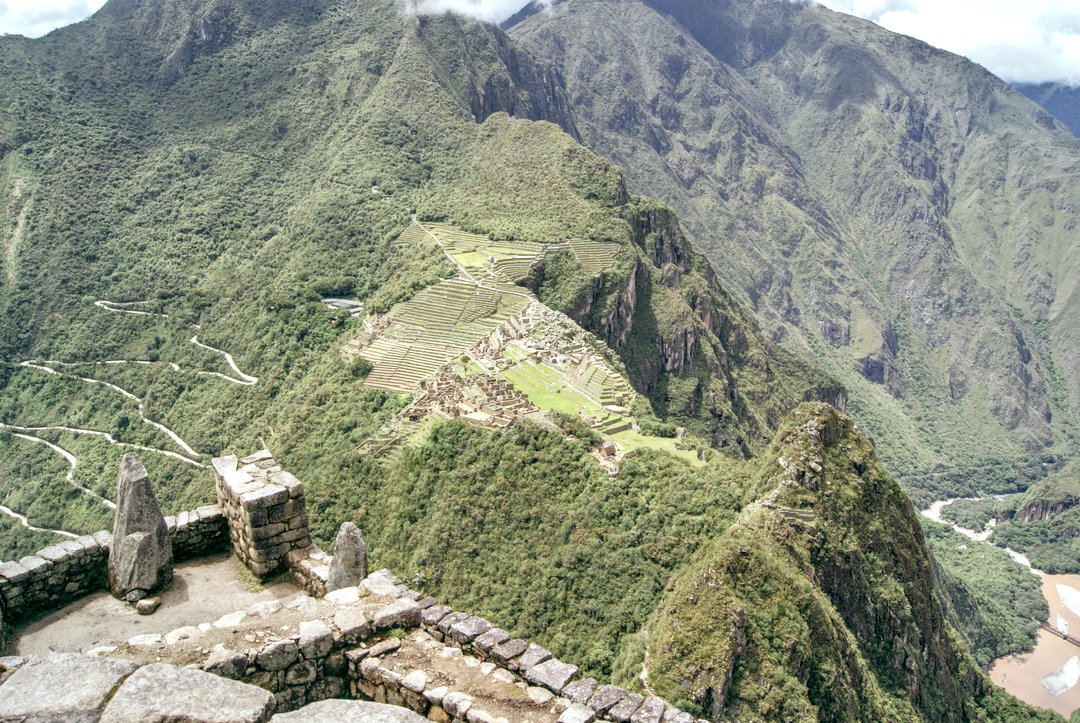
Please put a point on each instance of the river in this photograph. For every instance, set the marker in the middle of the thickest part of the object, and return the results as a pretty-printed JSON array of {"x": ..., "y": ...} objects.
[{"x": 1023, "y": 674}]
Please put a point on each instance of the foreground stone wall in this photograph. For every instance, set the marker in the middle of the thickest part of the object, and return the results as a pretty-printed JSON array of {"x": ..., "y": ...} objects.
[
  {"x": 69, "y": 570},
  {"x": 383, "y": 642},
  {"x": 266, "y": 510}
]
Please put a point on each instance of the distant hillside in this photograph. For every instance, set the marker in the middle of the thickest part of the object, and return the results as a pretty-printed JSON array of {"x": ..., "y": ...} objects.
[
  {"x": 1061, "y": 101},
  {"x": 892, "y": 212}
]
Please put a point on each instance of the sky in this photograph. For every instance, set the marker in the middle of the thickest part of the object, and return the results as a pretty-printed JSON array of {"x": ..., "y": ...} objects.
[{"x": 1020, "y": 40}]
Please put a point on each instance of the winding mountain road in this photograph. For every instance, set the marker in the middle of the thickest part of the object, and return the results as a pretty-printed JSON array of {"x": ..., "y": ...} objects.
[
  {"x": 23, "y": 521},
  {"x": 72, "y": 461},
  {"x": 245, "y": 379}
]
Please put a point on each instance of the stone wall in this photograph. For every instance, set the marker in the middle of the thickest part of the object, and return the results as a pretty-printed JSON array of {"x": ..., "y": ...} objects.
[
  {"x": 198, "y": 533},
  {"x": 266, "y": 510},
  {"x": 382, "y": 641},
  {"x": 69, "y": 570}
]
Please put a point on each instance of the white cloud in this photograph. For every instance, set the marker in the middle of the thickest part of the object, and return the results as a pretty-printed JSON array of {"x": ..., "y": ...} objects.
[
  {"x": 489, "y": 10},
  {"x": 37, "y": 17},
  {"x": 1022, "y": 41}
]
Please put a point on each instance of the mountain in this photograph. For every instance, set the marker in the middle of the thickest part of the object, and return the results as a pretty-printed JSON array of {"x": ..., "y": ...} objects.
[
  {"x": 893, "y": 213},
  {"x": 1060, "y": 100},
  {"x": 375, "y": 243}
]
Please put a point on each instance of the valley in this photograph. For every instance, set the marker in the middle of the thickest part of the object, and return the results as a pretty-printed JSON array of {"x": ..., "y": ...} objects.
[{"x": 1044, "y": 675}]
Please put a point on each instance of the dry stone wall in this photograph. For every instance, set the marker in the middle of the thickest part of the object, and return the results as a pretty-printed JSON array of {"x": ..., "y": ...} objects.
[
  {"x": 265, "y": 508},
  {"x": 67, "y": 571}
]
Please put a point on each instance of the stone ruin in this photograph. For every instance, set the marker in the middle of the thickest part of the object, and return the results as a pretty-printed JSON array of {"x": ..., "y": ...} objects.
[{"x": 372, "y": 650}]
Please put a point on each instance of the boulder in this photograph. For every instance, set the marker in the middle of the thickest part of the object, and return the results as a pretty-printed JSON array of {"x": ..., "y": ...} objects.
[
  {"x": 141, "y": 559},
  {"x": 349, "y": 566},
  {"x": 348, "y": 711},
  {"x": 61, "y": 687},
  {"x": 159, "y": 692}
]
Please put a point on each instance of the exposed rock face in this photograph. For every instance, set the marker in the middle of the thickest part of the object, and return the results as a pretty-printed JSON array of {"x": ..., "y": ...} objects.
[
  {"x": 141, "y": 559},
  {"x": 349, "y": 566}
]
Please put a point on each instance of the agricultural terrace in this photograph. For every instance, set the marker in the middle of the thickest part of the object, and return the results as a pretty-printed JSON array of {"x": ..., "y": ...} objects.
[{"x": 482, "y": 258}]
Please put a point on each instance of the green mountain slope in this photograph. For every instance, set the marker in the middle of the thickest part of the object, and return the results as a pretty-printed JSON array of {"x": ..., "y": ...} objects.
[
  {"x": 890, "y": 211},
  {"x": 188, "y": 179}
]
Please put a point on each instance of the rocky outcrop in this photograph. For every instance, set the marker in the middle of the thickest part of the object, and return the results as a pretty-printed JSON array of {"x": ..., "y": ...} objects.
[
  {"x": 161, "y": 692},
  {"x": 349, "y": 711},
  {"x": 141, "y": 559},
  {"x": 349, "y": 565}
]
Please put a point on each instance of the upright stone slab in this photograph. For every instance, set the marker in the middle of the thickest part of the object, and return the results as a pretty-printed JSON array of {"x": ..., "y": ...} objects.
[
  {"x": 265, "y": 508},
  {"x": 349, "y": 565},
  {"x": 141, "y": 558}
]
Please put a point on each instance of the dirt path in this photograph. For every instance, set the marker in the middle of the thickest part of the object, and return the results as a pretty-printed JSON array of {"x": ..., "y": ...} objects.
[
  {"x": 202, "y": 591},
  {"x": 125, "y": 393},
  {"x": 117, "y": 307},
  {"x": 25, "y": 523},
  {"x": 72, "y": 461},
  {"x": 245, "y": 379},
  {"x": 108, "y": 438}
]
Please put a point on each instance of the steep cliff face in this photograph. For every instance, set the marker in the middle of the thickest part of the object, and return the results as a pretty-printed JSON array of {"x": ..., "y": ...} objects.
[
  {"x": 820, "y": 602},
  {"x": 688, "y": 346},
  {"x": 893, "y": 212}
]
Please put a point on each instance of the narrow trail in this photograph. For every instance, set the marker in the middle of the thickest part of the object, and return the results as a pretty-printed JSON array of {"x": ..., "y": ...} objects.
[
  {"x": 117, "y": 307},
  {"x": 72, "y": 461},
  {"x": 23, "y": 521},
  {"x": 119, "y": 390},
  {"x": 245, "y": 379},
  {"x": 107, "y": 437}
]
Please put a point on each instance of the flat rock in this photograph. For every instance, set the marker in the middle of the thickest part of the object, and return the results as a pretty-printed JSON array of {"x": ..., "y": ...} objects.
[
  {"x": 161, "y": 693},
  {"x": 400, "y": 612},
  {"x": 605, "y": 698},
  {"x": 349, "y": 566},
  {"x": 577, "y": 713},
  {"x": 533, "y": 655},
  {"x": 552, "y": 674},
  {"x": 315, "y": 639},
  {"x": 581, "y": 690},
  {"x": 651, "y": 711},
  {"x": 625, "y": 708},
  {"x": 349, "y": 711},
  {"x": 61, "y": 687},
  {"x": 344, "y": 596}
]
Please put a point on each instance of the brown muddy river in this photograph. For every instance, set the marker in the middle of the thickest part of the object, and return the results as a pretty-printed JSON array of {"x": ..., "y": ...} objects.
[{"x": 1022, "y": 675}]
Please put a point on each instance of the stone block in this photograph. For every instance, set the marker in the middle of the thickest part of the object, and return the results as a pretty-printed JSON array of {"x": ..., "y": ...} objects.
[
  {"x": 226, "y": 663},
  {"x": 533, "y": 655},
  {"x": 315, "y": 639},
  {"x": 672, "y": 715},
  {"x": 13, "y": 571},
  {"x": 161, "y": 692},
  {"x": 62, "y": 687},
  {"x": 54, "y": 554},
  {"x": 103, "y": 537},
  {"x": 35, "y": 565},
  {"x": 290, "y": 483},
  {"x": 403, "y": 613},
  {"x": 552, "y": 674},
  {"x": 264, "y": 497},
  {"x": 580, "y": 691},
  {"x": 352, "y": 624},
  {"x": 467, "y": 630},
  {"x": 509, "y": 650},
  {"x": 651, "y": 711},
  {"x": 277, "y": 655},
  {"x": 348, "y": 711},
  {"x": 605, "y": 698},
  {"x": 266, "y": 532},
  {"x": 433, "y": 614},
  {"x": 301, "y": 672},
  {"x": 622, "y": 711},
  {"x": 488, "y": 640},
  {"x": 577, "y": 713}
]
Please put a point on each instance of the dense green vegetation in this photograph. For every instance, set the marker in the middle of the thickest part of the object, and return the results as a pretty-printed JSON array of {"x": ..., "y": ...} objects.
[
  {"x": 994, "y": 602},
  {"x": 975, "y": 514},
  {"x": 220, "y": 171},
  {"x": 796, "y": 612}
]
